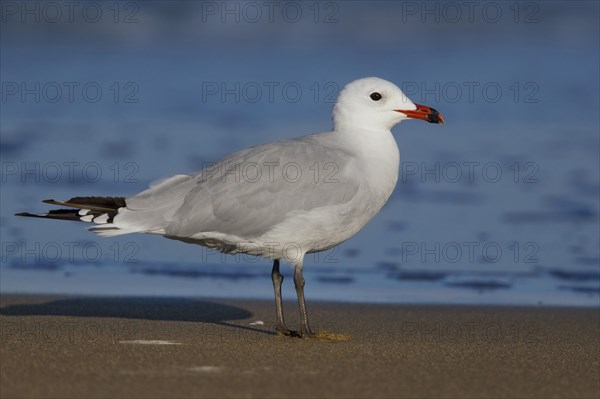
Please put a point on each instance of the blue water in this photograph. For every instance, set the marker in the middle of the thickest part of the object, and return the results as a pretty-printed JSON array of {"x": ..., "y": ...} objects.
[{"x": 498, "y": 206}]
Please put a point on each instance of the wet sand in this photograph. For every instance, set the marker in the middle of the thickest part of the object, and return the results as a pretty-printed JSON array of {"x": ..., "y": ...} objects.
[{"x": 77, "y": 347}]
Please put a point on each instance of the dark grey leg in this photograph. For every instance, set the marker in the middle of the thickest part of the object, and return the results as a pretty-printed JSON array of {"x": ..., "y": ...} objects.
[
  {"x": 277, "y": 280},
  {"x": 299, "y": 283}
]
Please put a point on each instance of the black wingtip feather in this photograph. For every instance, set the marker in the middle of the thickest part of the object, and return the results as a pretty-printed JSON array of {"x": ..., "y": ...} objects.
[
  {"x": 63, "y": 214},
  {"x": 95, "y": 206}
]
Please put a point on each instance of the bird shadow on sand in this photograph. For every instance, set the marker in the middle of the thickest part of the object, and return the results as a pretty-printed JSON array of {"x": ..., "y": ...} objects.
[{"x": 163, "y": 309}]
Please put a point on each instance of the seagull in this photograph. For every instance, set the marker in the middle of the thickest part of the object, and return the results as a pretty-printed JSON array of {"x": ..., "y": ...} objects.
[{"x": 280, "y": 200}]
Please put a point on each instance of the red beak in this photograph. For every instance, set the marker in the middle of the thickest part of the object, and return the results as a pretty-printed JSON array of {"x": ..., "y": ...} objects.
[{"x": 424, "y": 113}]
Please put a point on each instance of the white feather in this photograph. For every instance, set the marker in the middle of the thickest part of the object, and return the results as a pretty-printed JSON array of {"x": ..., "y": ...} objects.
[{"x": 102, "y": 219}]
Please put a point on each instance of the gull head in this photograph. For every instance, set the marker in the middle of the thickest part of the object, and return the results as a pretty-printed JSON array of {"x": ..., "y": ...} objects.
[{"x": 374, "y": 103}]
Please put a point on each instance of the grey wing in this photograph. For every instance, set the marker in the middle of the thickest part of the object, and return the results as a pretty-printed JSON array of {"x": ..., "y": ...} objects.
[{"x": 254, "y": 190}]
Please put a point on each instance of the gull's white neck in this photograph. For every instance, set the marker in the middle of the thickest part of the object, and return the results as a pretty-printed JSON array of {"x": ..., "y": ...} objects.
[{"x": 379, "y": 156}]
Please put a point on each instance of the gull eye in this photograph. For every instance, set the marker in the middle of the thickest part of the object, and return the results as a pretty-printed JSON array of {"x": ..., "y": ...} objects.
[{"x": 375, "y": 96}]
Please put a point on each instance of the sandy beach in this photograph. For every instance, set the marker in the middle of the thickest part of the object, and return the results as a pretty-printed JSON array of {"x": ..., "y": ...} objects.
[{"x": 77, "y": 347}]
